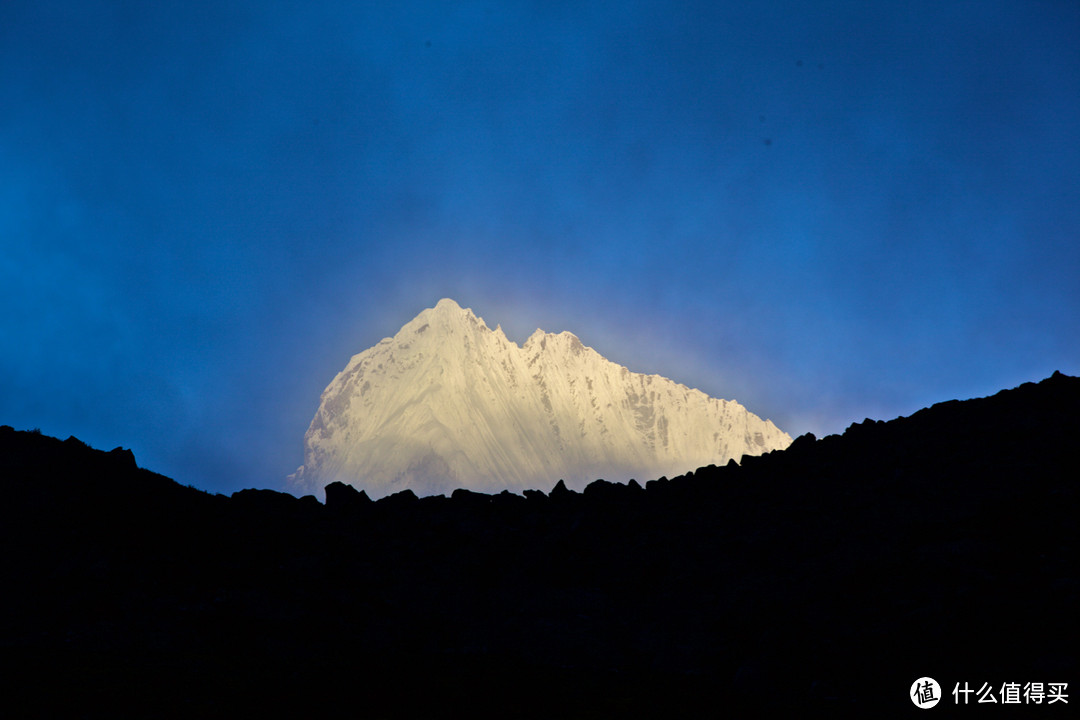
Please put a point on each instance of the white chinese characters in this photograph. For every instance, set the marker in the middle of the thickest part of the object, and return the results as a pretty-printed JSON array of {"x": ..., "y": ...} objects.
[{"x": 1012, "y": 693}]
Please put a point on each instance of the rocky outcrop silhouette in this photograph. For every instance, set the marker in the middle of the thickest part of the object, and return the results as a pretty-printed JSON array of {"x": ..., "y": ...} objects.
[{"x": 819, "y": 580}]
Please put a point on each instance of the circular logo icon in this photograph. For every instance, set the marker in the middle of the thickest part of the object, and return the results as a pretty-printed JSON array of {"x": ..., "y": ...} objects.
[{"x": 925, "y": 693}]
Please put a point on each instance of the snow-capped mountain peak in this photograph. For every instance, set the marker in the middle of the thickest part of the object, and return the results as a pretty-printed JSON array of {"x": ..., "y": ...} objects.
[{"x": 447, "y": 402}]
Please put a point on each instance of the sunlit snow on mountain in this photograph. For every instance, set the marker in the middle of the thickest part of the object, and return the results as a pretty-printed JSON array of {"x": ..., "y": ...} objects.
[{"x": 448, "y": 402}]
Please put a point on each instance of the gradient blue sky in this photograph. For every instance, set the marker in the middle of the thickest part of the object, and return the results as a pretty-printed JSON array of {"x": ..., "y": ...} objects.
[{"x": 825, "y": 210}]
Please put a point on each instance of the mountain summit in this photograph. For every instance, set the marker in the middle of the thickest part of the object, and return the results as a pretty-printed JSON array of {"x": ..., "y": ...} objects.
[{"x": 449, "y": 403}]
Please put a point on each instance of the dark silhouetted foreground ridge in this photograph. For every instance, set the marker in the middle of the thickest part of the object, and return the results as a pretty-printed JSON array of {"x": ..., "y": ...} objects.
[{"x": 821, "y": 580}]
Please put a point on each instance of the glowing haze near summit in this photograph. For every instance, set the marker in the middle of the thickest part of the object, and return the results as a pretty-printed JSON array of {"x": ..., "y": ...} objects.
[{"x": 824, "y": 210}]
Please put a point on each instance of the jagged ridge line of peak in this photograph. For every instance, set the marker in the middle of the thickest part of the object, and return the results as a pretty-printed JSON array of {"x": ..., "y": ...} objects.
[
  {"x": 450, "y": 308},
  {"x": 540, "y": 336},
  {"x": 446, "y": 311}
]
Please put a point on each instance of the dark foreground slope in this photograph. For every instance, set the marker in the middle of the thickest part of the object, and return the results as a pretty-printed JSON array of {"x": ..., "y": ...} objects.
[{"x": 822, "y": 580}]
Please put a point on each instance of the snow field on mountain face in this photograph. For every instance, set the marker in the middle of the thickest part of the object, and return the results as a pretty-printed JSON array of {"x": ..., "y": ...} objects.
[{"x": 448, "y": 402}]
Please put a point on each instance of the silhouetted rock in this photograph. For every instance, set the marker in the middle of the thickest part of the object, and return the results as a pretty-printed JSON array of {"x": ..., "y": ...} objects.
[
  {"x": 801, "y": 444},
  {"x": 402, "y": 499},
  {"x": 463, "y": 496},
  {"x": 256, "y": 499},
  {"x": 535, "y": 496},
  {"x": 123, "y": 457},
  {"x": 821, "y": 580},
  {"x": 345, "y": 499},
  {"x": 507, "y": 499},
  {"x": 658, "y": 485},
  {"x": 604, "y": 491},
  {"x": 560, "y": 493}
]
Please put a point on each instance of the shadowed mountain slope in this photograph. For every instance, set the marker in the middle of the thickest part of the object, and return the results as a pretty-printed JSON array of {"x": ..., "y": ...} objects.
[{"x": 819, "y": 580}]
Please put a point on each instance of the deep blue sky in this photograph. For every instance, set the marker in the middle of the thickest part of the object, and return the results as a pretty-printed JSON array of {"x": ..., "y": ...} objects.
[{"x": 825, "y": 210}]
